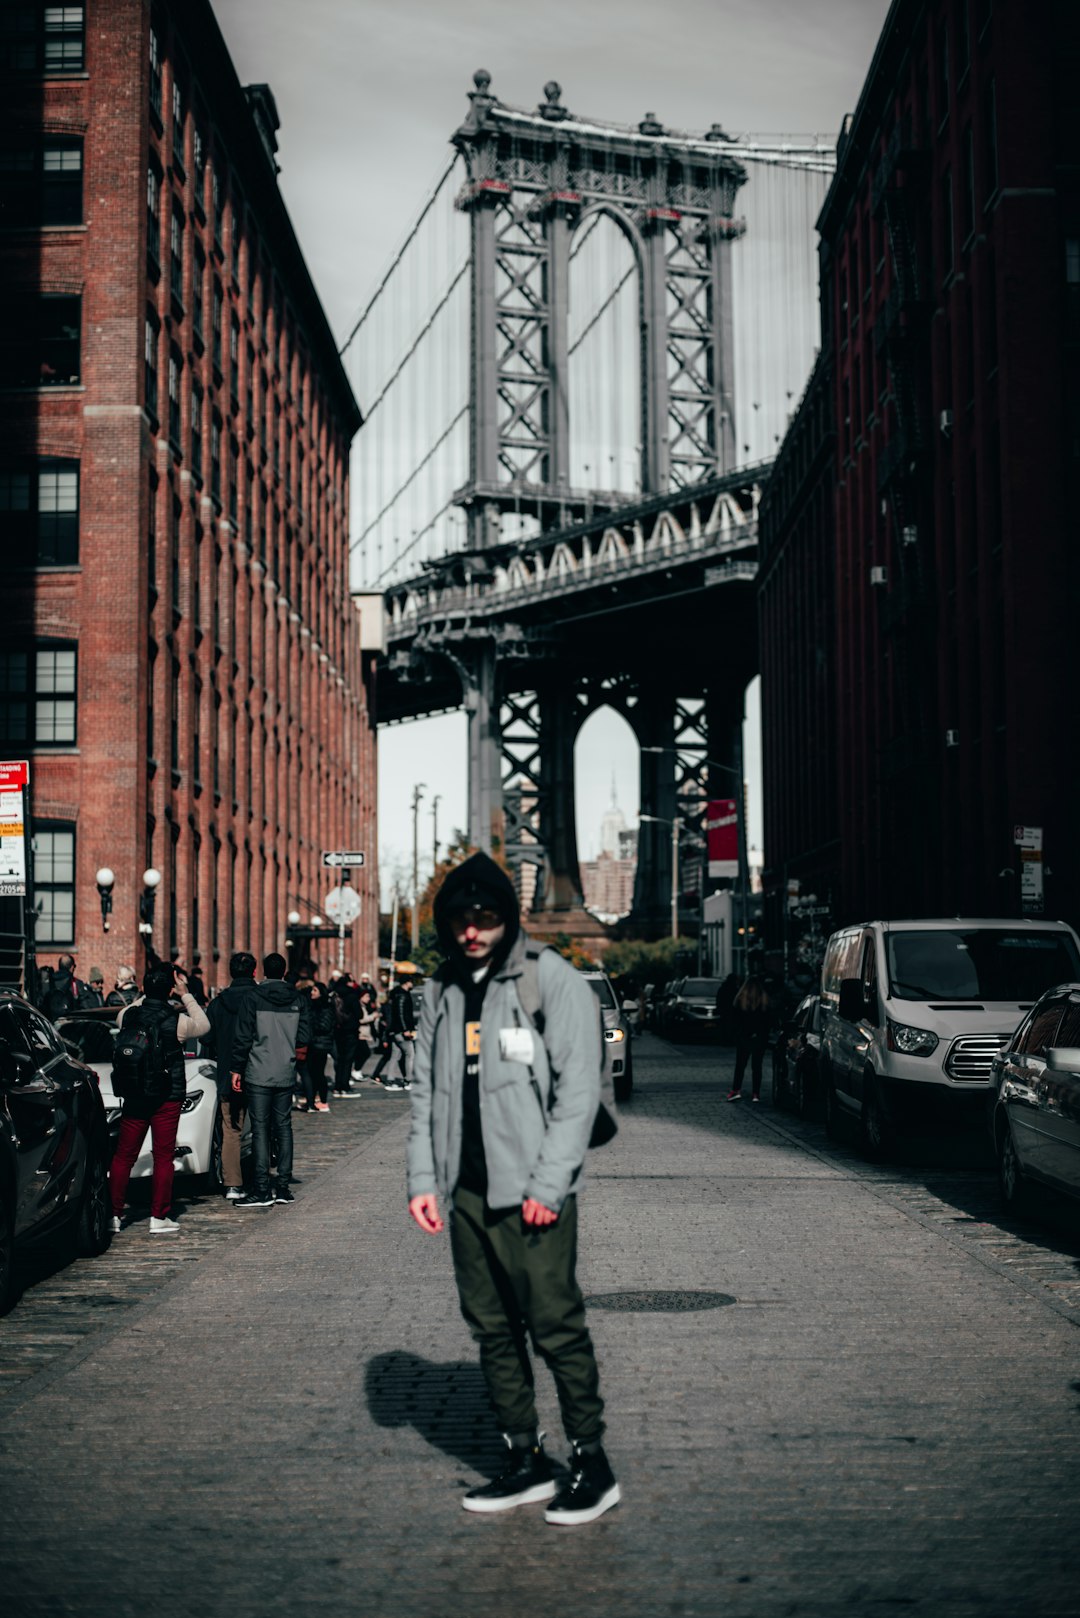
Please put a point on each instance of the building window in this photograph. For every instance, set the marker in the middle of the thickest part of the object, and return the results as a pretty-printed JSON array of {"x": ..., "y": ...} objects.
[
  {"x": 153, "y": 214},
  {"x": 174, "y": 716},
  {"x": 39, "y": 511},
  {"x": 215, "y": 458},
  {"x": 176, "y": 255},
  {"x": 41, "y": 185},
  {"x": 151, "y": 535},
  {"x": 234, "y": 361},
  {"x": 218, "y": 314},
  {"x": 40, "y": 344},
  {"x": 54, "y": 883},
  {"x": 175, "y": 369},
  {"x": 218, "y": 188},
  {"x": 37, "y": 696},
  {"x": 249, "y": 394},
  {"x": 196, "y": 430},
  {"x": 150, "y": 366},
  {"x": 174, "y": 559},
  {"x": 177, "y": 122},
  {"x": 198, "y": 272},
  {"x": 42, "y": 39},
  {"x": 236, "y": 232},
  {"x": 234, "y": 478},
  {"x": 155, "y": 73},
  {"x": 198, "y": 159}
]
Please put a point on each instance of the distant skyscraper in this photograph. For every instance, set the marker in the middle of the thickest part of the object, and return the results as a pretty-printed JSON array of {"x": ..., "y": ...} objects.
[{"x": 608, "y": 881}]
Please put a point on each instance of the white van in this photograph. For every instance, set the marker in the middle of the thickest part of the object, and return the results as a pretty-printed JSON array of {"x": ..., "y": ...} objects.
[{"x": 913, "y": 1013}]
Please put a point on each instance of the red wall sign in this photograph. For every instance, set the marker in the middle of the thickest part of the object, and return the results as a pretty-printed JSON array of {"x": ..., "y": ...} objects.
[{"x": 722, "y": 836}]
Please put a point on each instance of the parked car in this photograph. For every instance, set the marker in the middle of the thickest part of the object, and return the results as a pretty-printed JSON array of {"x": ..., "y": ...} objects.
[
  {"x": 54, "y": 1144},
  {"x": 1034, "y": 1103},
  {"x": 795, "y": 1059},
  {"x": 914, "y": 1012},
  {"x": 617, "y": 1053},
  {"x": 91, "y": 1034},
  {"x": 691, "y": 1009}
]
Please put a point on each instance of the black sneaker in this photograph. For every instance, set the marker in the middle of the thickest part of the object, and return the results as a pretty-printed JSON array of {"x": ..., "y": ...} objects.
[
  {"x": 283, "y": 1194},
  {"x": 392, "y": 1084},
  {"x": 589, "y": 1491},
  {"x": 525, "y": 1479},
  {"x": 255, "y": 1199}
]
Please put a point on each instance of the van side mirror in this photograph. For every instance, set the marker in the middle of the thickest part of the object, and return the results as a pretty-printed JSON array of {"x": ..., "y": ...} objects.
[
  {"x": 1063, "y": 1059},
  {"x": 852, "y": 1006}
]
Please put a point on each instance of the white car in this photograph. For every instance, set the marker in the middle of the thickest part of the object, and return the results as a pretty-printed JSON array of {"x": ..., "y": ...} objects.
[{"x": 90, "y": 1035}]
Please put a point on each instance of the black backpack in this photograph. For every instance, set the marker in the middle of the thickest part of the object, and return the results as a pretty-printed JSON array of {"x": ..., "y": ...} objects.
[{"x": 139, "y": 1067}]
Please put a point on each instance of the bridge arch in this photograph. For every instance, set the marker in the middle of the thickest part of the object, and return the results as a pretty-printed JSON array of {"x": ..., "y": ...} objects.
[
  {"x": 606, "y": 771},
  {"x": 606, "y": 351}
]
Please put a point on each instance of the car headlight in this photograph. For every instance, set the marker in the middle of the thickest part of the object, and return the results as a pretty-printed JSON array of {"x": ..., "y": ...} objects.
[
  {"x": 910, "y": 1041},
  {"x": 614, "y": 1035},
  {"x": 191, "y": 1100}
]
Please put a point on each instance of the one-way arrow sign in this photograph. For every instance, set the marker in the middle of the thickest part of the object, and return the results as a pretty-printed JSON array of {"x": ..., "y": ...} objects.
[{"x": 342, "y": 857}]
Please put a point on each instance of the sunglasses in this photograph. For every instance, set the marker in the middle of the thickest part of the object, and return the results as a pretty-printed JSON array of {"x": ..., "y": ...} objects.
[{"x": 475, "y": 916}]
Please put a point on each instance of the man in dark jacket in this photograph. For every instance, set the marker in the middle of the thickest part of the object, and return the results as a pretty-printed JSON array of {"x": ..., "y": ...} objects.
[
  {"x": 506, "y": 1088},
  {"x": 170, "y": 1012},
  {"x": 67, "y": 990},
  {"x": 400, "y": 1021},
  {"x": 224, "y": 1012},
  {"x": 271, "y": 1037}
]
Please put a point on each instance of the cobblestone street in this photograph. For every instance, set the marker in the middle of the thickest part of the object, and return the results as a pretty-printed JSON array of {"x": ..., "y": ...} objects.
[{"x": 277, "y": 1412}]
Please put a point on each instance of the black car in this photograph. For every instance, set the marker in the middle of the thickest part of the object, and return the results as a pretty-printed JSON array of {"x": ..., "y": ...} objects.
[
  {"x": 54, "y": 1144},
  {"x": 796, "y": 1059}
]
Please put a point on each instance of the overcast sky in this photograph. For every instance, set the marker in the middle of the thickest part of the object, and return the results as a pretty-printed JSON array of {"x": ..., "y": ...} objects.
[{"x": 369, "y": 92}]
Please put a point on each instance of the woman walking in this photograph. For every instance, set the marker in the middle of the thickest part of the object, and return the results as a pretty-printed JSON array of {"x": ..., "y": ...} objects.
[
  {"x": 752, "y": 1014},
  {"x": 321, "y": 1043}
]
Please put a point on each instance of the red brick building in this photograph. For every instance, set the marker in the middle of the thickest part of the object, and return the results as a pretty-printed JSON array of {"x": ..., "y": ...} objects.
[
  {"x": 183, "y": 661},
  {"x": 950, "y": 255}
]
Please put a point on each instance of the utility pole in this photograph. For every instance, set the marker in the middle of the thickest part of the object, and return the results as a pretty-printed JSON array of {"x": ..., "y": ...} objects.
[
  {"x": 418, "y": 793},
  {"x": 434, "y": 832}
]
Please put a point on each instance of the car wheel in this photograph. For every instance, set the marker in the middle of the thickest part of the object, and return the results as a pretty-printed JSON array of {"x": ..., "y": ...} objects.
[
  {"x": 7, "y": 1260},
  {"x": 1013, "y": 1182},
  {"x": 93, "y": 1226},
  {"x": 624, "y": 1084},
  {"x": 212, "y": 1183},
  {"x": 875, "y": 1135}
]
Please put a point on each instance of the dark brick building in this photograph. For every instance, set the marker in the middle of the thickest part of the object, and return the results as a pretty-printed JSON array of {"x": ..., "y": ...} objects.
[
  {"x": 950, "y": 277},
  {"x": 182, "y": 660}
]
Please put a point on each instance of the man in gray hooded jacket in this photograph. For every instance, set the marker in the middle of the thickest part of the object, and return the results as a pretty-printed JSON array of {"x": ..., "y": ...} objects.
[
  {"x": 503, "y": 1104},
  {"x": 272, "y": 1029}
]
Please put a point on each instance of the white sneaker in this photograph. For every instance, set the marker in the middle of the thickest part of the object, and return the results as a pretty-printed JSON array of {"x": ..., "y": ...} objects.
[
  {"x": 117, "y": 1224},
  {"x": 163, "y": 1227}
]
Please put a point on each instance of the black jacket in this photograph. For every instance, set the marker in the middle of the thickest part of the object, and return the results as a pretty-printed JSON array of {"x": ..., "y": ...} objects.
[
  {"x": 65, "y": 995},
  {"x": 398, "y": 1013},
  {"x": 323, "y": 1026},
  {"x": 223, "y": 1012}
]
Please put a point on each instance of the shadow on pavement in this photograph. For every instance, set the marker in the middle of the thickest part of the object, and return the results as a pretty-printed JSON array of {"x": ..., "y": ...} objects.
[{"x": 447, "y": 1404}]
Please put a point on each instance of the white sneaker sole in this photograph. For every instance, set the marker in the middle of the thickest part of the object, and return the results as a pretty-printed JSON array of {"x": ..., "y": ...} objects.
[
  {"x": 530, "y": 1497},
  {"x": 571, "y": 1519}
]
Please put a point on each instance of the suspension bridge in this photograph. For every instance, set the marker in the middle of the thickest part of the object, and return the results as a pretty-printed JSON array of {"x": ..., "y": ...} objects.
[{"x": 576, "y": 370}]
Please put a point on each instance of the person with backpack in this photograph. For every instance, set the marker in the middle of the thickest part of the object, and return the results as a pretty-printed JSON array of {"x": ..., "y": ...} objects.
[
  {"x": 223, "y": 1013},
  {"x": 67, "y": 990},
  {"x": 506, "y": 1094},
  {"x": 149, "y": 1077},
  {"x": 272, "y": 1034},
  {"x": 345, "y": 1000},
  {"x": 399, "y": 1021}
]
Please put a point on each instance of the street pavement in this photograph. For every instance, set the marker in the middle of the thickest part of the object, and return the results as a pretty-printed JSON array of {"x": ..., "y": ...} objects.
[{"x": 277, "y": 1412}]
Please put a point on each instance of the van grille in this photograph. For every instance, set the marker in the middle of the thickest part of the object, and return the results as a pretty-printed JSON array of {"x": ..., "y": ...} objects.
[{"x": 971, "y": 1055}]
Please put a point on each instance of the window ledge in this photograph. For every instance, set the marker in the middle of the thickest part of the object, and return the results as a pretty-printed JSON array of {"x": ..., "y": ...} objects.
[
  {"x": 37, "y": 230},
  {"x": 43, "y": 388},
  {"x": 53, "y": 750},
  {"x": 49, "y": 567}
]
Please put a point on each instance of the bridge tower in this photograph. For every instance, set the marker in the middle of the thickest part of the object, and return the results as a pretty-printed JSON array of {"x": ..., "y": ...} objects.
[{"x": 533, "y": 181}]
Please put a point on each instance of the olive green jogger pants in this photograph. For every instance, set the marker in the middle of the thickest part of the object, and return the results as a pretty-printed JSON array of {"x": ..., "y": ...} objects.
[{"x": 517, "y": 1282}]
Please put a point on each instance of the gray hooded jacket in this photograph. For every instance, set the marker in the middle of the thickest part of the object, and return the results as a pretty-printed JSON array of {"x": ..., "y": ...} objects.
[
  {"x": 538, "y": 1096},
  {"x": 272, "y": 1028}
]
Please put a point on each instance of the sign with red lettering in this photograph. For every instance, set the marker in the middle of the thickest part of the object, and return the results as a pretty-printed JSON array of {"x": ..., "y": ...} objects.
[
  {"x": 722, "y": 837},
  {"x": 14, "y": 778}
]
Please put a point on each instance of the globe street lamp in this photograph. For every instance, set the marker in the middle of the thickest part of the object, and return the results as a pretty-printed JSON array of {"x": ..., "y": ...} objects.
[
  {"x": 105, "y": 880},
  {"x": 293, "y": 918}
]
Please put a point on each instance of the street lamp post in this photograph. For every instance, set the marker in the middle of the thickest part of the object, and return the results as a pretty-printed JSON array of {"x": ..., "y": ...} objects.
[
  {"x": 151, "y": 879},
  {"x": 742, "y": 880},
  {"x": 662, "y": 820},
  {"x": 436, "y": 800},
  {"x": 105, "y": 880},
  {"x": 418, "y": 793}
]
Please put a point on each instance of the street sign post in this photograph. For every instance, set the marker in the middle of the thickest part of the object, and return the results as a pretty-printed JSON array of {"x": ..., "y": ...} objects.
[
  {"x": 14, "y": 779},
  {"x": 1029, "y": 843},
  {"x": 340, "y": 859},
  {"x": 343, "y": 905}
]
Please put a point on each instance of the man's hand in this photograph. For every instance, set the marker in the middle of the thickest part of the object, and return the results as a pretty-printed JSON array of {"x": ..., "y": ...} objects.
[
  {"x": 534, "y": 1213},
  {"x": 425, "y": 1210},
  {"x": 237, "y": 1083}
]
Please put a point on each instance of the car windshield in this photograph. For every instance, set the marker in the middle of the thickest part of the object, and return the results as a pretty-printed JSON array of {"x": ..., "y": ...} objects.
[
  {"x": 604, "y": 993},
  {"x": 91, "y": 1041},
  {"x": 701, "y": 988},
  {"x": 984, "y": 964}
]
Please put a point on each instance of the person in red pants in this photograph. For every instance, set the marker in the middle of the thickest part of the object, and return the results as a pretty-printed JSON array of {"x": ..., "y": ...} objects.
[{"x": 169, "y": 1024}]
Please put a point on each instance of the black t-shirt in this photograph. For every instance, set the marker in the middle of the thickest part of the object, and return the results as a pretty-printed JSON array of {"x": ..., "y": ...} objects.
[{"x": 473, "y": 1172}]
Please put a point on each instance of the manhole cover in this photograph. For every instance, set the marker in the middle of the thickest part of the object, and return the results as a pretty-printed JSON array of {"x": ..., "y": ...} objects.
[{"x": 659, "y": 1303}]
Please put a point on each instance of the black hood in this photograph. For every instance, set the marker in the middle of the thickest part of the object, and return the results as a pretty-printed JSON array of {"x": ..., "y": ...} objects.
[{"x": 476, "y": 881}]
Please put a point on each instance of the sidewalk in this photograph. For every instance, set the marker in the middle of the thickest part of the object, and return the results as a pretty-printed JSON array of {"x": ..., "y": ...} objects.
[{"x": 877, "y": 1420}]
